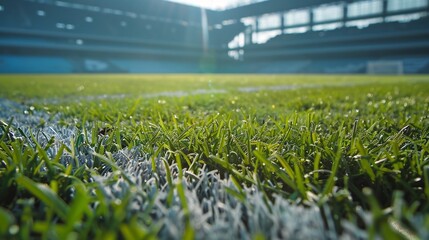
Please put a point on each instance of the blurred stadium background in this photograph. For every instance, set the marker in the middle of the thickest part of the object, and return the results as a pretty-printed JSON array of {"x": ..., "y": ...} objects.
[{"x": 272, "y": 36}]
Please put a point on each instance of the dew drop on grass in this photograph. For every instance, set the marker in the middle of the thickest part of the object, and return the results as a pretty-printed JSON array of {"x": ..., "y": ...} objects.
[{"x": 14, "y": 229}]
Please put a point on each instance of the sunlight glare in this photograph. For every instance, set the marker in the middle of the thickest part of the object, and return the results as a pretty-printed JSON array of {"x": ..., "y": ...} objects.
[{"x": 209, "y": 4}]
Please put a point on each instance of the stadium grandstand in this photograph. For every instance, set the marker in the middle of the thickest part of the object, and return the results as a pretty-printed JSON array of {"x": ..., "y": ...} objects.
[{"x": 272, "y": 36}]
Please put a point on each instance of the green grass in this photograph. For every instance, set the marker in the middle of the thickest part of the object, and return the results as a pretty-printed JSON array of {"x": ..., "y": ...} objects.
[
  {"x": 21, "y": 87},
  {"x": 354, "y": 147}
]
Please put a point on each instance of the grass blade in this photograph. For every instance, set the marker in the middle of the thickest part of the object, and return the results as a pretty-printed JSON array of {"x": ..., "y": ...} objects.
[{"x": 45, "y": 194}]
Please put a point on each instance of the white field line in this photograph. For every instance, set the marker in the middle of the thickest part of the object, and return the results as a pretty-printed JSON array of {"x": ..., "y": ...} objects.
[{"x": 182, "y": 93}]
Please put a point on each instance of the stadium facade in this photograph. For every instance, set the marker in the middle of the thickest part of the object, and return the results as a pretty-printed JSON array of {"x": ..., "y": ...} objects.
[{"x": 274, "y": 36}]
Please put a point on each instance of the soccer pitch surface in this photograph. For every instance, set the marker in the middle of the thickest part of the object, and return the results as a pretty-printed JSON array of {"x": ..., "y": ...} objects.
[{"x": 214, "y": 157}]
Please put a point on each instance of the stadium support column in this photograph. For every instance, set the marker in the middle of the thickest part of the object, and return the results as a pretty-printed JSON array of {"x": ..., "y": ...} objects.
[
  {"x": 311, "y": 23},
  {"x": 282, "y": 23},
  {"x": 385, "y": 6},
  {"x": 204, "y": 30},
  {"x": 208, "y": 59},
  {"x": 248, "y": 38},
  {"x": 345, "y": 13},
  {"x": 256, "y": 27},
  {"x": 254, "y": 31}
]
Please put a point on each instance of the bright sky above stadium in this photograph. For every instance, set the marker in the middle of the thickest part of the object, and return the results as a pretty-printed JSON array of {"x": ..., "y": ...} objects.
[{"x": 215, "y": 4}]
